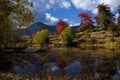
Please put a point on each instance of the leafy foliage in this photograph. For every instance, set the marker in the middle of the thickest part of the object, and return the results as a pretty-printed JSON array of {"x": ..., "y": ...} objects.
[
  {"x": 61, "y": 25},
  {"x": 67, "y": 36},
  {"x": 5, "y": 23},
  {"x": 22, "y": 13},
  {"x": 13, "y": 14},
  {"x": 42, "y": 36},
  {"x": 105, "y": 17},
  {"x": 86, "y": 21}
]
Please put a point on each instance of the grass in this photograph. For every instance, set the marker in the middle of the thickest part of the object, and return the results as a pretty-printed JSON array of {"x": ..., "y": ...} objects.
[{"x": 82, "y": 76}]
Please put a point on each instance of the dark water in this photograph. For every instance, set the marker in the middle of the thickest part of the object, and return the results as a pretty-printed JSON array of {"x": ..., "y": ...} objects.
[{"x": 99, "y": 63}]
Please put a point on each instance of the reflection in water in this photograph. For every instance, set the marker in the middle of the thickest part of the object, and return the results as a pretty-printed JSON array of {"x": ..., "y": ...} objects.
[
  {"x": 118, "y": 65},
  {"x": 100, "y": 64}
]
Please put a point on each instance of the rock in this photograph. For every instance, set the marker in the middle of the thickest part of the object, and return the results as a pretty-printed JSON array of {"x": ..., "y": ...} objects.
[{"x": 73, "y": 69}]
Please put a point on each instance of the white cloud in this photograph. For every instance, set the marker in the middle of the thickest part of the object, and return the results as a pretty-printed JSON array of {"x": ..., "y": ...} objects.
[
  {"x": 66, "y": 4},
  {"x": 116, "y": 16},
  {"x": 86, "y": 4},
  {"x": 75, "y": 24},
  {"x": 50, "y": 19},
  {"x": 65, "y": 19},
  {"x": 95, "y": 11},
  {"x": 92, "y": 4},
  {"x": 46, "y": 18},
  {"x": 42, "y": 5}
]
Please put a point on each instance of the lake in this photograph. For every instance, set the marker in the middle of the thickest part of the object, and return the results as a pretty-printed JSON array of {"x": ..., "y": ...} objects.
[{"x": 73, "y": 62}]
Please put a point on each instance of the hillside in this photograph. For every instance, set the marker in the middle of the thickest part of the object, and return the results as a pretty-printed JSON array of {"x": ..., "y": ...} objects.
[
  {"x": 32, "y": 29},
  {"x": 99, "y": 39}
]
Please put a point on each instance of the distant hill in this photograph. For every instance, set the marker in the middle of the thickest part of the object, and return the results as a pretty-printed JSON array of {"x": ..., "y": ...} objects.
[{"x": 36, "y": 27}]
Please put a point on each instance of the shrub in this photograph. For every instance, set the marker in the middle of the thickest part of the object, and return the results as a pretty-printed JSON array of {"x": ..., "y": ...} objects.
[
  {"x": 67, "y": 36},
  {"x": 42, "y": 37},
  {"x": 111, "y": 45}
]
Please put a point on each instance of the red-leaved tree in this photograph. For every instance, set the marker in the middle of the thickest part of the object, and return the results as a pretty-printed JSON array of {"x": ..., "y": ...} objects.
[
  {"x": 86, "y": 20},
  {"x": 61, "y": 25}
]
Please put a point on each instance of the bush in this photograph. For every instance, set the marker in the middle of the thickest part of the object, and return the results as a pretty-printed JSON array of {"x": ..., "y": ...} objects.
[
  {"x": 42, "y": 37},
  {"x": 67, "y": 36},
  {"x": 112, "y": 45}
]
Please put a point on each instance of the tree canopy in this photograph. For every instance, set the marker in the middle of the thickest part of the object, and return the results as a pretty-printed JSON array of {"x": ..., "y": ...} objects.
[
  {"x": 86, "y": 21},
  {"x": 13, "y": 14},
  {"x": 42, "y": 37},
  {"x": 61, "y": 25},
  {"x": 105, "y": 17},
  {"x": 67, "y": 36}
]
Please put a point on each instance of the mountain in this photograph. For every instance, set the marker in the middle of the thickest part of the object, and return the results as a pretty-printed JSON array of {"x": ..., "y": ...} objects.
[{"x": 32, "y": 29}]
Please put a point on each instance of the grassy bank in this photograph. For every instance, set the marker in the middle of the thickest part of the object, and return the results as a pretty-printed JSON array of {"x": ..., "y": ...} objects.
[{"x": 98, "y": 39}]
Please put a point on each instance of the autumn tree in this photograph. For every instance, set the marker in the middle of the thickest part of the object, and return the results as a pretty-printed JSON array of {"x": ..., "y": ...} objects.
[
  {"x": 22, "y": 14},
  {"x": 61, "y": 25},
  {"x": 67, "y": 36},
  {"x": 86, "y": 21},
  {"x": 42, "y": 37},
  {"x": 5, "y": 24},
  {"x": 105, "y": 18},
  {"x": 13, "y": 14}
]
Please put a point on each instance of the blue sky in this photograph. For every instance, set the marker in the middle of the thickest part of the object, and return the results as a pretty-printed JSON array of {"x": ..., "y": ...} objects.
[{"x": 51, "y": 11}]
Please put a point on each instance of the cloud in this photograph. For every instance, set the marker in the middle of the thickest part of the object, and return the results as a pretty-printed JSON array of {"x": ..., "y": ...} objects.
[
  {"x": 40, "y": 7},
  {"x": 66, "y": 4},
  {"x": 65, "y": 19},
  {"x": 116, "y": 16},
  {"x": 73, "y": 23},
  {"x": 50, "y": 19},
  {"x": 46, "y": 18},
  {"x": 91, "y": 5},
  {"x": 43, "y": 5},
  {"x": 86, "y": 4}
]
